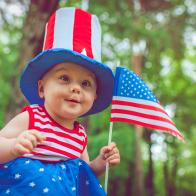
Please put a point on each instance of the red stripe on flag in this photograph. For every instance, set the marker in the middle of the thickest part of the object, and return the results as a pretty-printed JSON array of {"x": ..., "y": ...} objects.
[
  {"x": 49, "y": 37},
  {"x": 138, "y": 105},
  {"x": 82, "y": 32},
  {"x": 147, "y": 116},
  {"x": 151, "y": 126}
]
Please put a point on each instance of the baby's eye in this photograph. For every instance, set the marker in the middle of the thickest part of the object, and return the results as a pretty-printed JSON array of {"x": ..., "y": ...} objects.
[
  {"x": 86, "y": 83},
  {"x": 65, "y": 78}
]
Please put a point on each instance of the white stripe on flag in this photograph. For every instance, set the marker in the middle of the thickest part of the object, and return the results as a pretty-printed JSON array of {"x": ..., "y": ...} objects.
[
  {"x": 139, "y": 101},
  {"x": 139, "y": 117},
  {"x": 140, "y": 110},
  {"x": 144, "y": 120}
]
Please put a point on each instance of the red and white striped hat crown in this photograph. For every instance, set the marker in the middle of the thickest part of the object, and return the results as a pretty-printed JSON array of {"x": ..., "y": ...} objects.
[
  {"x": 72, "y": 35},
  {"x": 76, "y": 30}
]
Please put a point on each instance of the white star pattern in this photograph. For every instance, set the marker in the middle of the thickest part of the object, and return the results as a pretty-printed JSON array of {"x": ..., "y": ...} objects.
[
  {"x": 53, "y": 179},
  {"x": 17, "y": 176},
  {"x": 80, "y": 163},
  {"x": 32, "y": 184},
  {"x": 45, "y": 190},
  {"x": 137, "y": 89},
  {"x": 5, "y": 166},
  {"x": 87, "y": 182},
  {"x": 59, "y": 177}
]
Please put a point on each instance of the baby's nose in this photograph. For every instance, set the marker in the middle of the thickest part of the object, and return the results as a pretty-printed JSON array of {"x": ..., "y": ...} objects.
[{"x": 75, "y": 88}]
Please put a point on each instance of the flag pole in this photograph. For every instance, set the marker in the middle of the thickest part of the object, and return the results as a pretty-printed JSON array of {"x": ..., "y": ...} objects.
[
  {"x": 107, "y": 164},
  {"x": 109, "y": 142}
]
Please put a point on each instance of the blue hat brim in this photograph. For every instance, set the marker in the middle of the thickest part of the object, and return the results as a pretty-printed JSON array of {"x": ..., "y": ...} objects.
[{"x": 42, "y": 63}]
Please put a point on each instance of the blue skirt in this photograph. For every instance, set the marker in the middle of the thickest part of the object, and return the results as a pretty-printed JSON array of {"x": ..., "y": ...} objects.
[{"x": 24, "y": 176}]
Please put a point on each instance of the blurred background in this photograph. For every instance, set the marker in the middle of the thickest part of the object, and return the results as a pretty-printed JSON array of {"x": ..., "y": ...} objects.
[{"x": 156, "y": 39}]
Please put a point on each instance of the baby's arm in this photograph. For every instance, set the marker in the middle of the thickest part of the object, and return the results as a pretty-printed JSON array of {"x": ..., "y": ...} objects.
[
  {"x": 108, "y": 154},
  {"x": 16, "y": 139}
]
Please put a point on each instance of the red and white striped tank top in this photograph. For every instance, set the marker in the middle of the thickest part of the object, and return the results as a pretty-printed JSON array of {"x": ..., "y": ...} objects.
[{"x": 61, "y": 143}]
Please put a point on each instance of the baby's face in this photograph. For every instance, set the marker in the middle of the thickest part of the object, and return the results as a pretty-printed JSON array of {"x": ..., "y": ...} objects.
[{"x": 68, "y": 90}]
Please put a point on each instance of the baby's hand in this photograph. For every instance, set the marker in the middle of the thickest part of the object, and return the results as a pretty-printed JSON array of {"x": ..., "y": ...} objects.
[
  {"x": 111, "y": 154},
  {"x": 26, "y": 141}
]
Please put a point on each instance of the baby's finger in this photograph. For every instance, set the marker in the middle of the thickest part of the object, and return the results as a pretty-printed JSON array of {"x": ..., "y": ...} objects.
[
  {"x": 38, "y": 135},
  {"x": 114, "y": 159},
  {"x": 32, "y": 139},
  {"x": 114, "y": 162},
  {"x": 19, "y": 150},
  {"x": 108, "y": 148},
  {"x": 112, "y": 152},
  {"x": 26, "y": 143},
  {"x": 112, "y": 145}
]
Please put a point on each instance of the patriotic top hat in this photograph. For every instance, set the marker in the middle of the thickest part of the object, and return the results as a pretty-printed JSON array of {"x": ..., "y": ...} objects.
[{"x": 71, "y": 35}]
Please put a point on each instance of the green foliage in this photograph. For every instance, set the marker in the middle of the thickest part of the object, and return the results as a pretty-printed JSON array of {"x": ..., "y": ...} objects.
[{"x": 8, "y": 55}]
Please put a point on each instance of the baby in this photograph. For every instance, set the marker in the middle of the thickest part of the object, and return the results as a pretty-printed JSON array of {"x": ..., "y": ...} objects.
[{"x": 44, "y": 149}]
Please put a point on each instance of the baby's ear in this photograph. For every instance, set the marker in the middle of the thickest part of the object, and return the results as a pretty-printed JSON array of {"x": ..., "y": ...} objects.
[{"x": 41, "y": 89}]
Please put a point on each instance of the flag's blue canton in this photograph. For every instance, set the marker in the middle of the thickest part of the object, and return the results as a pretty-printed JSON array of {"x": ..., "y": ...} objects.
[{"x": 128, "y": 84}]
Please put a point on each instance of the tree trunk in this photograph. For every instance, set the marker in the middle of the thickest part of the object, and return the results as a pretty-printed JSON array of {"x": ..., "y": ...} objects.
[
  {"x": 129, "y": 180},
  {"x": 150, "y": 173},
  {"x": 30, "y": 46},
  {"x": 170, "y": 174},
  {"x": 139, "y": 178},
  {"x": 155, "y": 5}
]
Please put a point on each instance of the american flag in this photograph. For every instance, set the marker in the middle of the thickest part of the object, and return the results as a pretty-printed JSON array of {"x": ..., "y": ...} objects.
[{"x": 133, "y": 102}]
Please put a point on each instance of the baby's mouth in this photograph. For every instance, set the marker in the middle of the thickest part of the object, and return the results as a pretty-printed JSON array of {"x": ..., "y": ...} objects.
[{"x": 73, "y": 100}]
